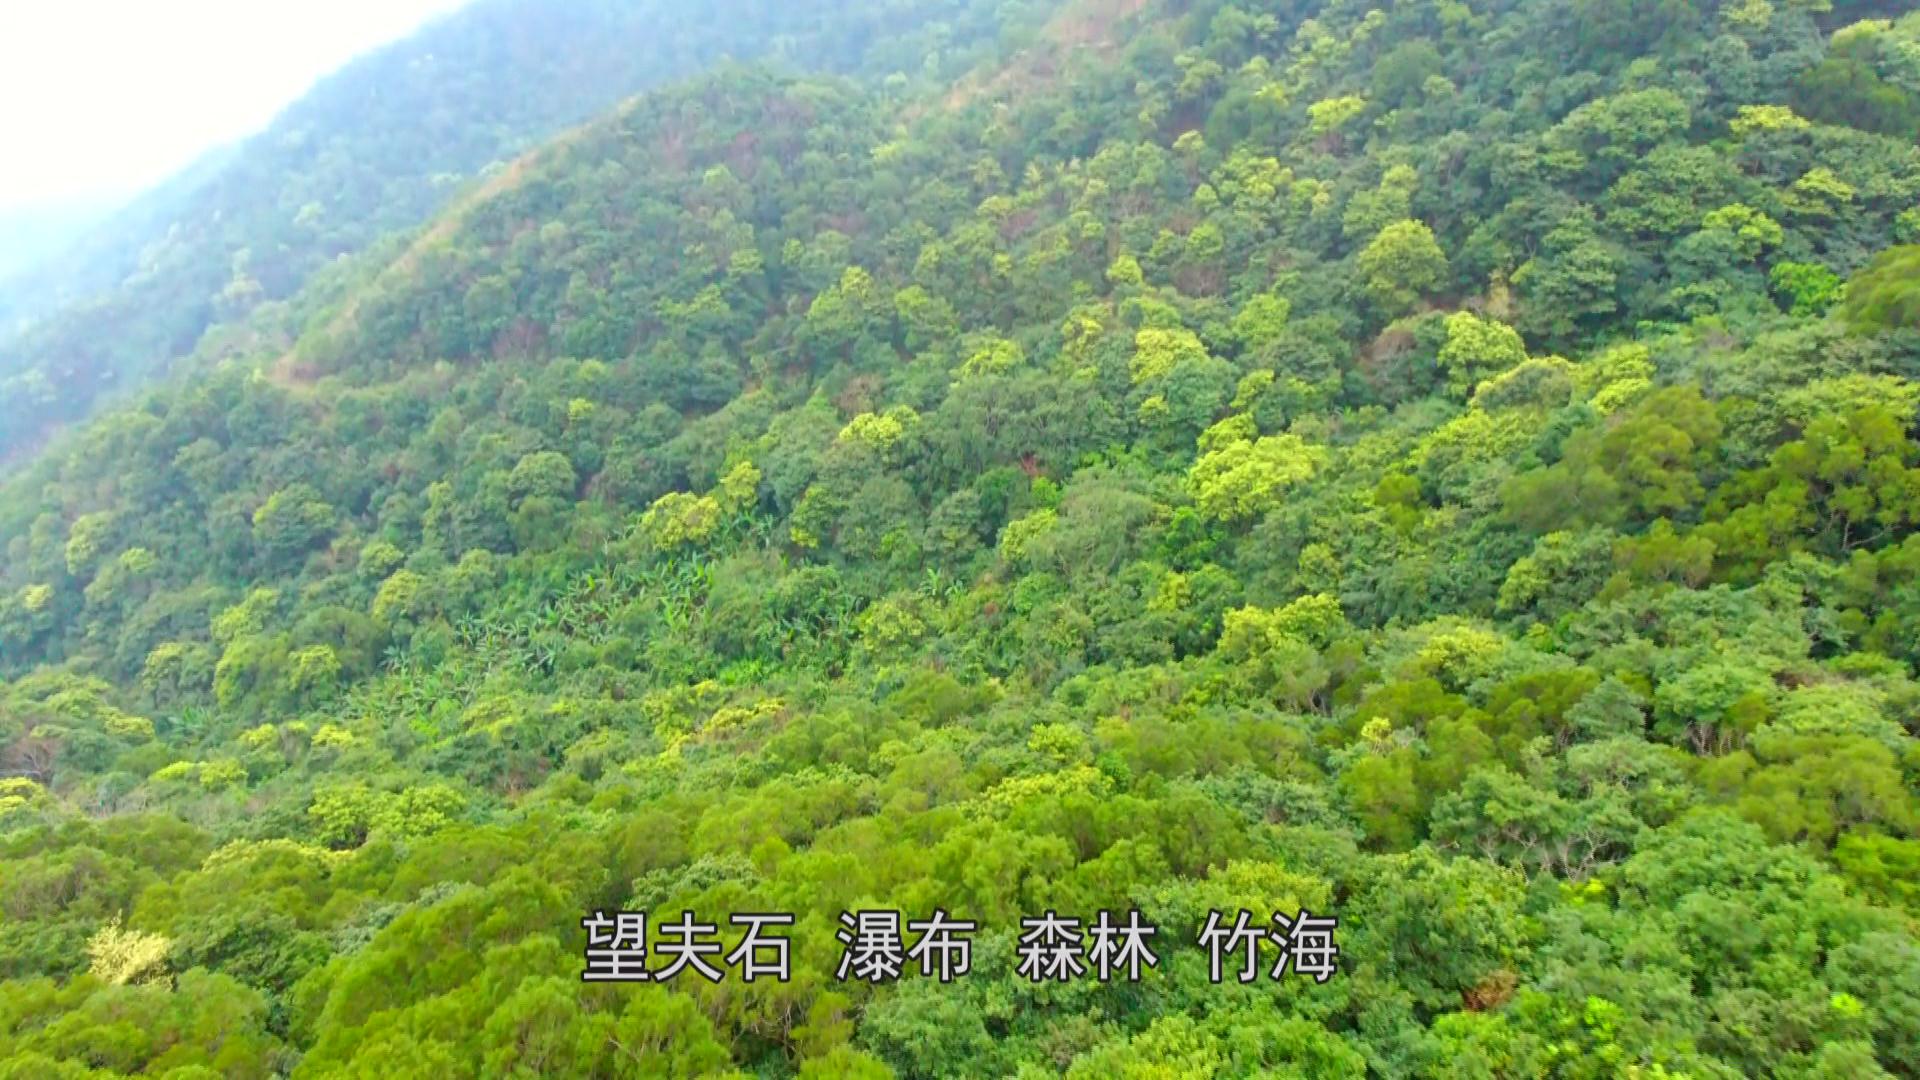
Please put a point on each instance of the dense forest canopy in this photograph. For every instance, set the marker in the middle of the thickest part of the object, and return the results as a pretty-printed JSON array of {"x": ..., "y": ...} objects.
[{"x": 1450, "y": 466}]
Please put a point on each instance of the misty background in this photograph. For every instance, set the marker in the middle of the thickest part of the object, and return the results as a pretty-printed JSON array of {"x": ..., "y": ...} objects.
[{"x": 102, "y": 99}]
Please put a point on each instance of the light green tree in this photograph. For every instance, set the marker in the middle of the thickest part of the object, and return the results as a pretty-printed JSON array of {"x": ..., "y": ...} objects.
[{"x": 1402, "y": 263}]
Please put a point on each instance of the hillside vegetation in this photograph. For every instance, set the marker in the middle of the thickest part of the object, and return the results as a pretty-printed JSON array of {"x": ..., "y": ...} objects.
[
  {"x": 1450, "y": 466},
  {"x": 388, "y": 141}
]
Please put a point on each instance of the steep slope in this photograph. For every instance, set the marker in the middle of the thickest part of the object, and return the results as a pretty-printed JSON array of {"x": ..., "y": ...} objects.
[
  {"x": 1399, "y": 465},
  {"x": 381, "y": 144}
]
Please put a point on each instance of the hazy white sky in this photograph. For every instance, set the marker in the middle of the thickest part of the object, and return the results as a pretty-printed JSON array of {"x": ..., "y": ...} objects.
[{"x": 107, "y": 97}]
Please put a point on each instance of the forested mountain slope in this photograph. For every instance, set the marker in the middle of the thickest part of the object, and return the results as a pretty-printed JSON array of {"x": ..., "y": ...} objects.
[
  {"x": 385, "y": 142},
  {"x": 1420, "y": 465}
]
